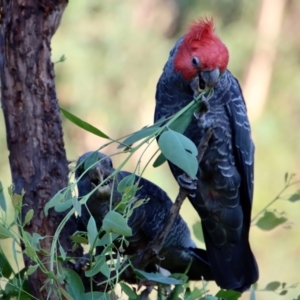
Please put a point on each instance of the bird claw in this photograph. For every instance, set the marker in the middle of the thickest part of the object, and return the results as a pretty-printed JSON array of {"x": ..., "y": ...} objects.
[
  {"x": 187, "y": 183},
  {"x": 82, "y": 262}
]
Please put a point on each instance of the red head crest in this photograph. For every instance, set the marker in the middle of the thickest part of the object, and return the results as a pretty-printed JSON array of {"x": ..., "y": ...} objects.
[{"x": 201, "y": 50}]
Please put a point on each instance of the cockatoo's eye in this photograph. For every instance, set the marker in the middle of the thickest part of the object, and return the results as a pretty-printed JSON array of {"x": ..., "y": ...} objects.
[{"x": 196, "y": 62}]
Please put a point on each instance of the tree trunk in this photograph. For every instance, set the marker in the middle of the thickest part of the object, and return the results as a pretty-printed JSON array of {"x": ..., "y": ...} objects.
[{"x": 34, "y": 132}]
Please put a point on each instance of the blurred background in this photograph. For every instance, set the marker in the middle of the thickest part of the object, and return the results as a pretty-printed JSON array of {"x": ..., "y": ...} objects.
[{"x": 115, "y": 53}]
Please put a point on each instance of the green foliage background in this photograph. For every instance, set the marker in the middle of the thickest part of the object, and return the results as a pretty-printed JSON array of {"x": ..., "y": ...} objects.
[{"x": 115, "y": 53}]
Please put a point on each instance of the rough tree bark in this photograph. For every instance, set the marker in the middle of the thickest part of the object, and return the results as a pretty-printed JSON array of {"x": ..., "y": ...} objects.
[{"x": 34, "y": 132}]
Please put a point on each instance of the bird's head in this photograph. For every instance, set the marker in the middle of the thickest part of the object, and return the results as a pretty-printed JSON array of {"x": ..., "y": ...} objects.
[
  {"x": 201, "y": 54},
  {"x": 92, "y": 171}
]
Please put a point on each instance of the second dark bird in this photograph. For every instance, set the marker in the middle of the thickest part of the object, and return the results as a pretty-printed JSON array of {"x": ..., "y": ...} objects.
[{"x": 146, "y": 220}]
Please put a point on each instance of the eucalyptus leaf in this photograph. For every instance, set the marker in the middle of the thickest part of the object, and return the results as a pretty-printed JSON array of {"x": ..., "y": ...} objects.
[
  {"x": 126, "y": 182},
  {"x": 82, "y": 124},
  {"x": 2, "y": 198},
  {"x": 128, "y": 291},
  {"x": 59, "y": 196},
  {"x": 179, "y": 150},
  {"x": 136, "y": 136},
  {"x": 269, "y": 221},
  {"x": 114, "y": 222},
  {"x": 159, "y": 160},
  {"x": 295, "y": 197},
  {"x": 272, "y": 286},
  {"x": 228, "y": 295},
  {"x": 92, "y": 231},
  {"x": 74, "y": 285},
  {"x": 157, "y": 277}
]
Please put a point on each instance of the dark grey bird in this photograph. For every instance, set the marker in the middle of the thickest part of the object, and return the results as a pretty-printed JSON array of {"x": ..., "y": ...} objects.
[
  {"x": 223, "y": 192},
  {"x": 146, "y": 221}
]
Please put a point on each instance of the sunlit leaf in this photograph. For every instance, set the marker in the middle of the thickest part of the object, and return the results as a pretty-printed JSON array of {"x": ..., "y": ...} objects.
[
  {"x": 82, "y": 124},
  {"x": 269, "y": 221},
  {"x": 116, "y": 223},
  {"x": 179, "y": 150}
]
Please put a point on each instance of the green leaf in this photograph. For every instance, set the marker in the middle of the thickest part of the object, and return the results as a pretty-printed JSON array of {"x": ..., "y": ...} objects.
[
  {"x": 82, "y": 124},
  {"x": 283, "y": 292},
  {"x": 228, "y": 295},
  {"x": 136, "y": 136},
  {"x": 79, "y": 239},
  {"x": 62, "y": 206},
  {"x": 126, "y": 182},
  {"x": 295, "y": 197},
  {"x": 210, "y": 297},
  {"x": 91, "y": 160},
  {"x": 116, "y": 223},
  {"x": 298, "y": 298},
  {"x": 62, "y": 253},
  {"x": 5, "y": 267},
  {"x": 32, "y": 269},
  {"x": 269, "y": 221},
  {"x": 4, "y": 233},
  {"x": 198, "y": 232},
  {"x": 92, "y": 231},
  {"x": 99, "y": 266},
  {"x": 272, "y": 286},
  {"x": 128, "y": 291},
  {"x": 2, "y": 198},
  {"x": 35, "y": 242},
  {"x": 179, "y": 150},
  {"x": 107, "y": 239},
  {"x": 74, "y": 285},
  {"x": 183, "y": 121},
  {"x": 28, "y": 216},
  {"x": 59, "y": 196},
  {"x": 96, "y": 296},
  {"x": 157, "y": 277},
  {"x": 77, "y": 206},
  {"x": 159, "y": 160}
]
